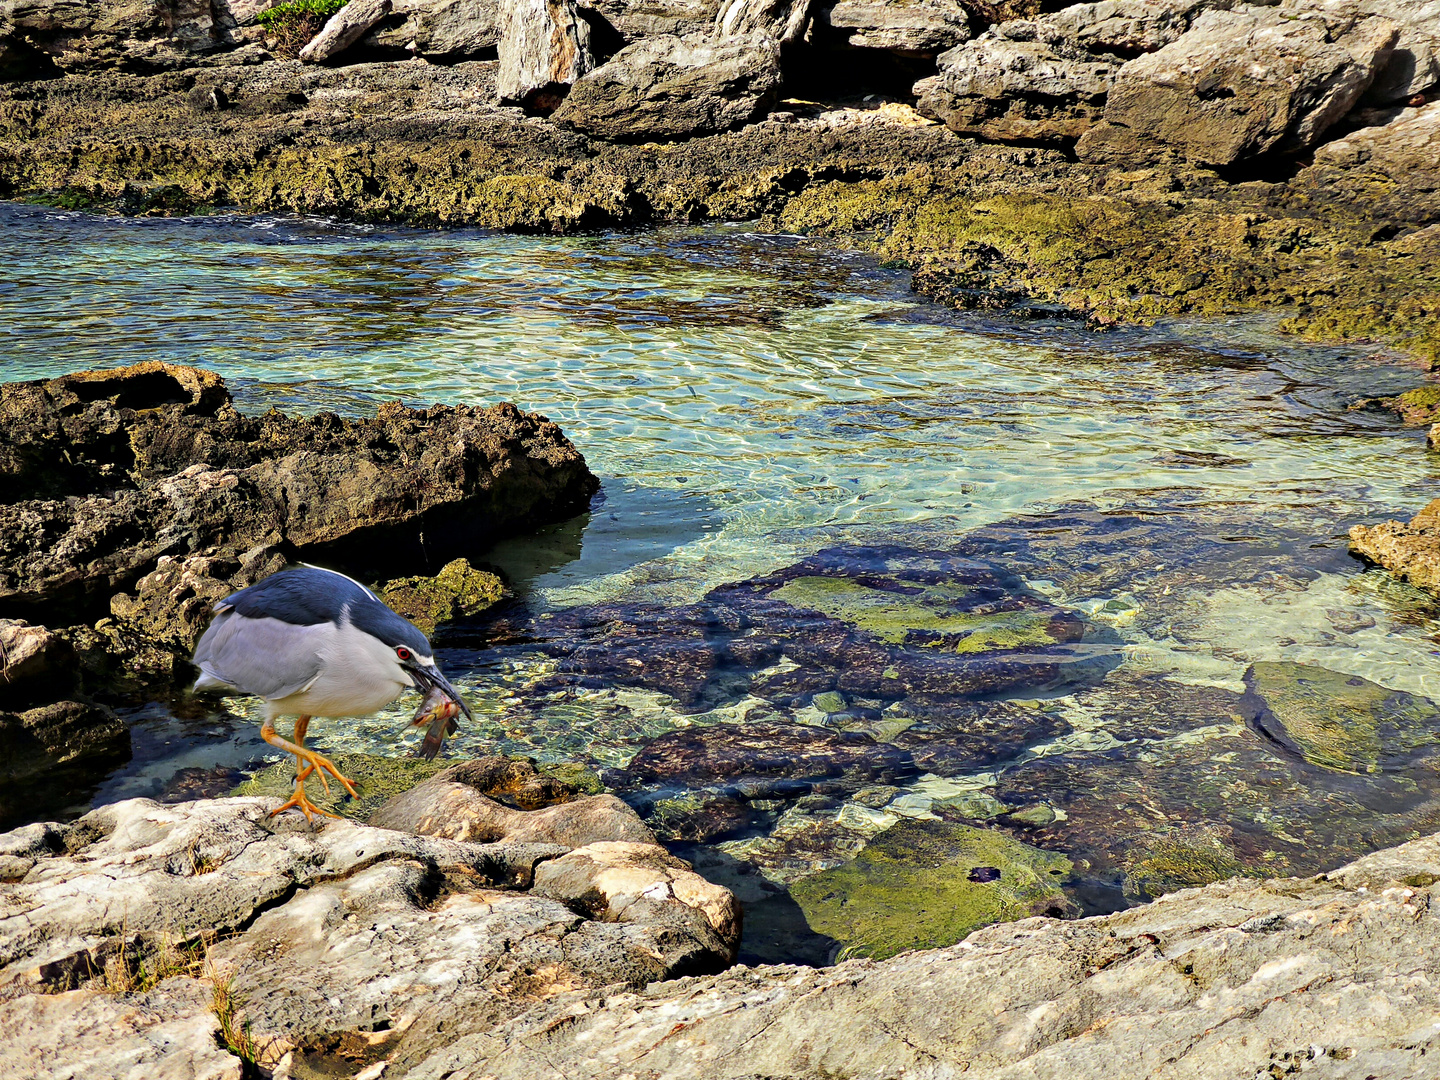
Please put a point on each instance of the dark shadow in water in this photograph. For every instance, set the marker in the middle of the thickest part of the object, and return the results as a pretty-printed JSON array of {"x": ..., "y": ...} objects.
[
  {"x": 774, "y": 930},
  {"x": 626, "y": 525}
]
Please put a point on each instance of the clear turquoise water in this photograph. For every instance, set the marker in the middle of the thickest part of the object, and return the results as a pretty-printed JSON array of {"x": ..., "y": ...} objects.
[{"x": 746, "y": 400}]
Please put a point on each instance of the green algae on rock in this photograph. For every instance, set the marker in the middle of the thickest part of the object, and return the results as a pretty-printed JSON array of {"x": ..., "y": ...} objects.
[
  {"x": 1178, "y": 859},
  {"x": 456, "y": 592},
  {"x": 1337, "y": 721},
  {"x": 925, "y": 884},
  {"x": 378, "y": 779}
]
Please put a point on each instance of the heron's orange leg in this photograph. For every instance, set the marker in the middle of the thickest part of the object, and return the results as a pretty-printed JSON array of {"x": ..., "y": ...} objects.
[{"x": 311, "y": 761}]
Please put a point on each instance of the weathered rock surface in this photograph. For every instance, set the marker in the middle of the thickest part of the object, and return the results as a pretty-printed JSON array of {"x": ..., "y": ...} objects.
[
  {"x": 670, "y": 87},
  {"x": 636, "y": 19},
  {"x": 1242, "y": 83},
  {"x": 136, "y": 35},
  {"x": 35, "y": 664},
  {"x": 1414, "y": 64},
  {"x": 447, "y": 30},
  {"x": 38, "y": 739},
  {"x": 915, "y": 27},
  {"x": 1047, "y": 78},
  {"x": 784, "y": 20},
  {"x": 1337, "y": 974},
  {"x": 544, "y": 48},
  {"x": 1400, "y": 153},
  {"x": 160, "y": 463},
  {"x": 344, "y": 28},
  {"x": 1409, "y": 550},
  {"x": 323, "y": 935}
]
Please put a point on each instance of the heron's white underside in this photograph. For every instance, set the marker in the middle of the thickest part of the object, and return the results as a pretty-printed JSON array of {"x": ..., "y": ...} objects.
[{"x": 358, "y": 674}]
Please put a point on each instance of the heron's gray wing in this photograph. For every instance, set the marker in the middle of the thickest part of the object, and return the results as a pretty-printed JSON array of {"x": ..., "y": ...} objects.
[{"x": 266, "y": 657}]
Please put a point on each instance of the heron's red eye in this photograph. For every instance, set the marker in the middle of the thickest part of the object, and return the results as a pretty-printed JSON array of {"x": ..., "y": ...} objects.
[{"x": 403, "y": 653}]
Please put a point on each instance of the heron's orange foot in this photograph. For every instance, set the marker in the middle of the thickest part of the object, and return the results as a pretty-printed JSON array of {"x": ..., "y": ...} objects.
[
  {"x": 324, "y": 765},
  {"x": 298, "y": 801}
]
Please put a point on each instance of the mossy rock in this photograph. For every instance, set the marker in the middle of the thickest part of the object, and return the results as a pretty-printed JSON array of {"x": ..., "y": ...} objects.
[
  {"x": 1337, "y": 721},
  {"x": 581, "y": 777},
  {"x": 926, "y": 884},
  {"x": 1164, "y": 864},
  {"x": 933, "y": 616},
  {"x": 456, "y": 592},
  {"x": 378, "y": 779}
]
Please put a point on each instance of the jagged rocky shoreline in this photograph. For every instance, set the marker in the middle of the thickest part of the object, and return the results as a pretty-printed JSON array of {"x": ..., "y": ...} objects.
[{"x": 1118, "y": 160}]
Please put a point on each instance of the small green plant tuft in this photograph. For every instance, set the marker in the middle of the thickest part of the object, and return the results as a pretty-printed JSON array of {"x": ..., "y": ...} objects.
[
  {"x": 135, "y": 970},
  {"x": 293, "y": 23},
  {"x": 235, "y": 1034}
]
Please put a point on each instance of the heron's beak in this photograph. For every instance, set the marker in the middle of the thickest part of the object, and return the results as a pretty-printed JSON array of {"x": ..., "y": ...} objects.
[{"x": 427, "y": 675}]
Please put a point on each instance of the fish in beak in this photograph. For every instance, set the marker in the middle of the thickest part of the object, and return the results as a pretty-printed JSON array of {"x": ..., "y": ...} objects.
[{"x": 441, "y": 705}]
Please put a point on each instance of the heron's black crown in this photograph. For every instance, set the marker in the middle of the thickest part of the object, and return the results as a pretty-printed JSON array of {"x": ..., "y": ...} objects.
[{"x": 308, "y": 596}]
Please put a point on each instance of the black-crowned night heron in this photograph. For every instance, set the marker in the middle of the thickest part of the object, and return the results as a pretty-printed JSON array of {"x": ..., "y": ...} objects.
[{"x": 312, "y": 642}]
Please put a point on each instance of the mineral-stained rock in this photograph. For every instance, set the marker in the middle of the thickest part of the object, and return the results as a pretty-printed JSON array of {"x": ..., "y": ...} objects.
[
  {"x": 326, "y": 933},
  {"x": 457, "y": 591},
  {"x": 1338, "y": 721},
  {"x": 1047, "y": 78},
  {"x": 544, "y": 49},
  {"x": 669, "y": 87},
  {"x": 1243, "y": 978},
  {"x": 1410, "y": 551},
  {"x": 160, "y": 463},
  {"x": 344, "y": 28},
  {"x": 917, "y": 27},
  {"x": 923, "y": 884},
  {"x": 1242, "y": 83}
]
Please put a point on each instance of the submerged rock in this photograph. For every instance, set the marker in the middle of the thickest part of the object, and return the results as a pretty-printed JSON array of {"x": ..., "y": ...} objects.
[
  {"x": 1340, "y": 721},
  {"x": 378, "y": 779},
  {"x": 1409, "y": 550},
  {"x": 925, "y": 884}
]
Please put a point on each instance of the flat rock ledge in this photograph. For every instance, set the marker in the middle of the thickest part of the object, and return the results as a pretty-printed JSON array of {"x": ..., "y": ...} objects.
[
  {"x": 195, "y": 940},
  {"x": 356, "y": 951}
]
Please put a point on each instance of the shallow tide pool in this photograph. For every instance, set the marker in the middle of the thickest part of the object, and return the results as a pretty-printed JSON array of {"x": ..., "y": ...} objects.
[{"x": 751, "y": 400}]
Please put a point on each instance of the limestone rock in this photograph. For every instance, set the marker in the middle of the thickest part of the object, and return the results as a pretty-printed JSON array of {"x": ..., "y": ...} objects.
[
  {"x": 160, "y": 463},
  {"x": 670, "y": 87},
  {"x": 544, "y": 49},
  {"x": 915, "y": 27},
  {"x": 1241, "y": 83},
  {"x": 457, "y": 591},
  {"x": 166, "y": 1033},
  {"x": 1335, "y": 974},
  {"x": 1047, "y": 78},
  {"x": 784, "y": 20},
  {"x": 448, "y": 30},
  {"x": 33, "y": 742},
  {"x": 129, "y": 35},
  {"x": 1397, "y": 156},
  {"x": 458, "y": 804},
  {"x": 636, "y": 19},
  {"x": 1410, "y": 551},
  {"x": 327, "y": 933},
  {"x": 624, "y": 881},
  {"x": 344, "y": 28},
  {"x": 1414, "y": 64}
]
